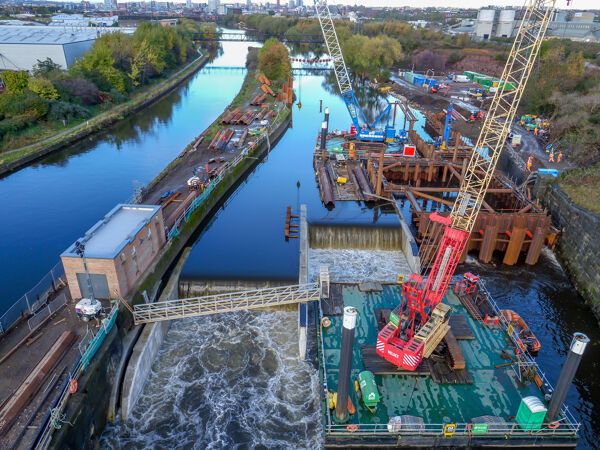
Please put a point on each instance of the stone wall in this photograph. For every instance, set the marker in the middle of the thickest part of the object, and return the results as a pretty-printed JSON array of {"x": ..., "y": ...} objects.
[{"x": 578, "y": 248}]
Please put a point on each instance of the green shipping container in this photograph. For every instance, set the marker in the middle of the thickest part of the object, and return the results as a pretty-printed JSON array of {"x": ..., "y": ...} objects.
[
  {"x": 409, "y": 76},
  {"x": 531, "y": 414},
  {"x": 470, "y": 75}
]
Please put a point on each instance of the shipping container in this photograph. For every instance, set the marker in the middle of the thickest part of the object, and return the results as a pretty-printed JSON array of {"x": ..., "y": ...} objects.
[
  {"x": 461, "y": 78},
  {"x": 409, "y": 76},
  {"x": 470, "y": 75},
  {"x": 419, "y": 80}
]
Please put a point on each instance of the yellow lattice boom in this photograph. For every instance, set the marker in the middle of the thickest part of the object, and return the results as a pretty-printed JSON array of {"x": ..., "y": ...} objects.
[{"x": 503, "y": 108}]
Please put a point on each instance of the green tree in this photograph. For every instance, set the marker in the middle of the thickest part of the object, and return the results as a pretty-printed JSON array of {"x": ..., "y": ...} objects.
[
  {"x": 43, "y": 87},
  {"x": 46, "y": 68},
  {"x": 274, "y": 60},
  {"x": 15, "y": 81}
]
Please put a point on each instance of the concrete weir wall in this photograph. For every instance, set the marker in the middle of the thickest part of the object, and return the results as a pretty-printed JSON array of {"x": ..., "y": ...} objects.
[
  {"x": 578, "y": 248},
  {"x": 367, "y": 238},
  {"x": 197, "y": 288}
]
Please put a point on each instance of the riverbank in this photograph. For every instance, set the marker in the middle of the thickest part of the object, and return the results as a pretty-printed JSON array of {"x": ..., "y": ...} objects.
[
  {"x": 16, "y": 159},
  {"x": 87, "y": 412}
]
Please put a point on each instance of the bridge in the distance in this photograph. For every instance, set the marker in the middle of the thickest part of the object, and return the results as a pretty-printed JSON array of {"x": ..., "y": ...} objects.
[{"x": 252, "y": 36}]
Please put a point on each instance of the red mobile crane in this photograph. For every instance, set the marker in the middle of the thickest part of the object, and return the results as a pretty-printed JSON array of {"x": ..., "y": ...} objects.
[{"x": 419, "y": 323}]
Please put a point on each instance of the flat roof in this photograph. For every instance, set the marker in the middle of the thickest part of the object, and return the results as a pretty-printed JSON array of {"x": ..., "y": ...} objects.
[{"x": 119, "y": 227}]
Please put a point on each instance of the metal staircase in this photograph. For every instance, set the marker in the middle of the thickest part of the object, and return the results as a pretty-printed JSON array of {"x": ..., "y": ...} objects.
[{"x": 220, "y": 303}]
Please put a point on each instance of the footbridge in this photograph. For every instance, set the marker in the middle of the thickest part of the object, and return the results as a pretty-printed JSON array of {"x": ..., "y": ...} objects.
[
  {"x": 220, "y": 303},
  {"x": 252, "y": 36}
]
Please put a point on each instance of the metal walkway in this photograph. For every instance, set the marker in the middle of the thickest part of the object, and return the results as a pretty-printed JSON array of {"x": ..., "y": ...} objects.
[{"x": 220, "y": 303}]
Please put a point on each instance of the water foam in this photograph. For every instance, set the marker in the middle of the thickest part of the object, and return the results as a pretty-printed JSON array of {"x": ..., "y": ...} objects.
[
  {"x": 227, "y": 381},
  {"x": 358, "y": 265}
]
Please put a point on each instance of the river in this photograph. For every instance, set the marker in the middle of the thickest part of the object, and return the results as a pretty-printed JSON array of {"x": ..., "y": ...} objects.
[
  {"x": 47, "y": 206},
  {"x": 235, "y": 380}
]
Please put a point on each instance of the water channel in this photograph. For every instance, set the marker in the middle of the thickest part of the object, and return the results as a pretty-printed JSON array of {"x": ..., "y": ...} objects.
[
  {"x": 51, "y": 203},
  {"x": 235, "y": 380}
]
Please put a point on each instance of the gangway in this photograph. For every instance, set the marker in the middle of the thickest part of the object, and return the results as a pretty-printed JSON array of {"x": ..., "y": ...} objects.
[{"x": 220, "y": 303}]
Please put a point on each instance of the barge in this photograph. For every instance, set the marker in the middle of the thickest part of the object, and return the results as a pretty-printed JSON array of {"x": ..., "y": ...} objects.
[{"x": 495, "y": 396}]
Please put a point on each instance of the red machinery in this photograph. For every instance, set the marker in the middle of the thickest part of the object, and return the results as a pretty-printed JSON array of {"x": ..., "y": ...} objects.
[{"x": 417, "y": 325}]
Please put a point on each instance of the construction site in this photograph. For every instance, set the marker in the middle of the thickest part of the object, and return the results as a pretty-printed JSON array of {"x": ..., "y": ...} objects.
[{"x": 398, "y": 345}]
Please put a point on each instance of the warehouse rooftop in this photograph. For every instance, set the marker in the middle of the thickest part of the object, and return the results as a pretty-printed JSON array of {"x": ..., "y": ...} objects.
[
  {"x": 118, "y": 228},
  {"x": 41, "y": 35}
]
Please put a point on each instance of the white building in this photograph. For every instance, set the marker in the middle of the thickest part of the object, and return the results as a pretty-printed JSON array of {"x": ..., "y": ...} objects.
[
  {"x": 22, "y": 46},
  {"x": 495, "y": 23},
  {"x": 189, "y": 4},
  {"x": 79, "y": 20},
  {"x": 213, "y": 6}
]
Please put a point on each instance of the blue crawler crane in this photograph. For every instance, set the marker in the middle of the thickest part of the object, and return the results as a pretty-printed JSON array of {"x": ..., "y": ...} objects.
[{"x": 366, "y": 132}]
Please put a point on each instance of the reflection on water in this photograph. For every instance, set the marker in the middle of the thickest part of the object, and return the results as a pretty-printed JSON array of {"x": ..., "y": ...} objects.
[
  {"x": 227, "y": 381},
  {"x": 48, "y": 205}
]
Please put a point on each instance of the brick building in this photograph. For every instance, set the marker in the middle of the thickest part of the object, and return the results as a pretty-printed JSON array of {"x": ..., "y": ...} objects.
[{"x": 118, "y": 249}]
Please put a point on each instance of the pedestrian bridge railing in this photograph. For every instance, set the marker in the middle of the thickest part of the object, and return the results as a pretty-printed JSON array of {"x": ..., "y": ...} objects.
[{"x": 220, "y": 303}]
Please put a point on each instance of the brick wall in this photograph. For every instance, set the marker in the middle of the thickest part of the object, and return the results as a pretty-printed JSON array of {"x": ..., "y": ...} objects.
[{"x": 122, "y": 272}]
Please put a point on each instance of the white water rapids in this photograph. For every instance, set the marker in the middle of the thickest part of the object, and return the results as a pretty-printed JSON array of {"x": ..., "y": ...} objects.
[{"x": 227, "y": 381}]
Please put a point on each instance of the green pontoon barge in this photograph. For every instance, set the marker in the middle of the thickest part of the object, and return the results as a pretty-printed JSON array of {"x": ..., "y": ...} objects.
[{"x": 476, "y": 389}]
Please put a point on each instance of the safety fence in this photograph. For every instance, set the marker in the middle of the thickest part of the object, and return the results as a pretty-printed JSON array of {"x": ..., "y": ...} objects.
[
  {"x": 47, "y": 310},
  {"x": 56, "y": 418},
  {"x": 228, "y": 168},
  {"x": 34, "y": 299},
  {"x": 565, "y": 426}
]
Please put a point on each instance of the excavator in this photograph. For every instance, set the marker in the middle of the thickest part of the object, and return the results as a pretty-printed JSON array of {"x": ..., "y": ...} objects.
[{"x": 419, "y": 323}]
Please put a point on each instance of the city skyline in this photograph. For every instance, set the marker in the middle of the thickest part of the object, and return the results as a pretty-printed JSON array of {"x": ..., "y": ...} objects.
[{"x": 465, "y": 4}]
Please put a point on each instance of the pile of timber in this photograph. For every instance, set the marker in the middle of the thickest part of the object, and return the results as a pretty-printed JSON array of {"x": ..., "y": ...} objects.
[
  {"x": 456, "y": 354},
  {"x": 221, "y": 139},
  {"x": 258, "y": 100}
]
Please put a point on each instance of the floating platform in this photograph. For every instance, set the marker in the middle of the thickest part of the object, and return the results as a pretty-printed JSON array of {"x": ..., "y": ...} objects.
[{"x": 487, "y": 389}]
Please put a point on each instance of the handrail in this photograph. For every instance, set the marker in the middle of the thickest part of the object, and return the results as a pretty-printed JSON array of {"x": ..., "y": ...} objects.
[{"x": 233, "y": 301}]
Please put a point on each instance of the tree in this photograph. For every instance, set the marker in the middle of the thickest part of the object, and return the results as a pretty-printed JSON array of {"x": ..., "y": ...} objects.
[
  {"x": 43, "y": 87},
  {"x": 15, "y": 81},
  {"x": 46, "y": 68},
  {"x": 274, "y": 60}
]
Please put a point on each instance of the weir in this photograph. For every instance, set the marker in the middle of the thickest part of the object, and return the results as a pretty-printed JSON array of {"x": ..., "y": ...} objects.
[{"x": 355, "y": 237}]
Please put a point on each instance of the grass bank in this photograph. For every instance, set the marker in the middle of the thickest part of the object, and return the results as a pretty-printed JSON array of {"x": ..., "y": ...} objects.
[
  {"x": 18, "y": 158},
  {"x": 583, "y": 187}
]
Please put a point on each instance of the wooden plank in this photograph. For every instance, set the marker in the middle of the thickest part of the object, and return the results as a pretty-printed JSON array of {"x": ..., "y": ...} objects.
[
  {"x": 34, "y": 381},
  {"x": 460, "y": 327},
  {"x": 458, "y": 359},
  {"x": 379, "y": 366}
]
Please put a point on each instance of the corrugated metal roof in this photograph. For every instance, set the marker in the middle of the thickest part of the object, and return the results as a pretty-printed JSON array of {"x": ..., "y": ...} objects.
[{"x": 51, "y": 35}]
